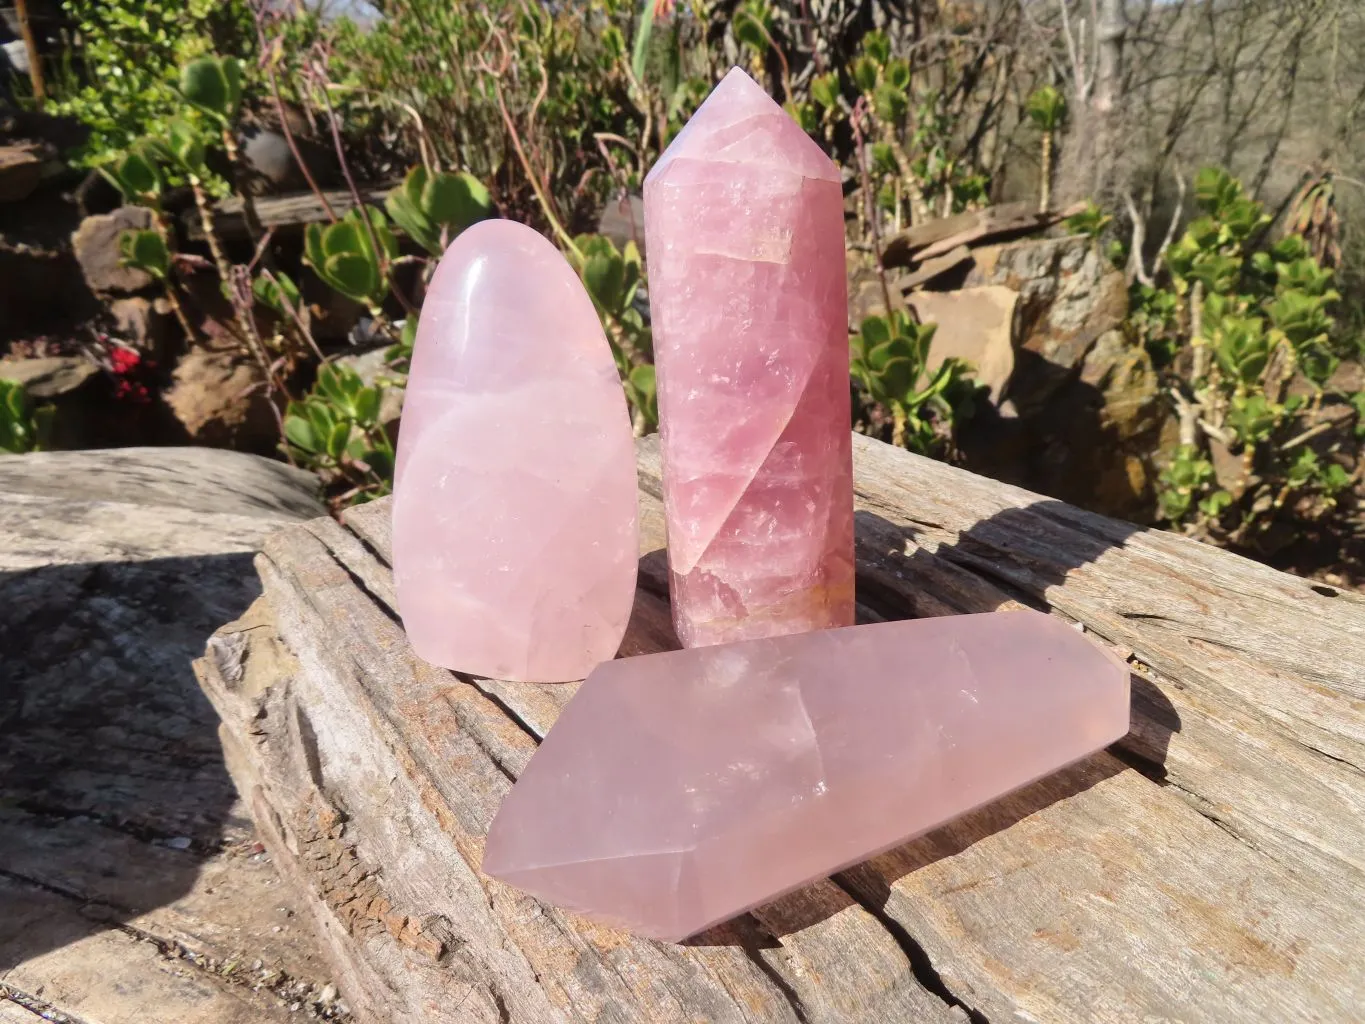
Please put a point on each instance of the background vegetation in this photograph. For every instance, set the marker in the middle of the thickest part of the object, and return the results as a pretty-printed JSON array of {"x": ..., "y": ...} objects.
[{"x": 1215, "y": 141}]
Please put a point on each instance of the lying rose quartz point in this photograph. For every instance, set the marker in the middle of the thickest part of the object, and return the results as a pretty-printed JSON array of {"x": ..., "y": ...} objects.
[
  {"x": 515, "y": 536},
  {"x": 744, "y": 219},
  {"x": 677, "y": 790}
]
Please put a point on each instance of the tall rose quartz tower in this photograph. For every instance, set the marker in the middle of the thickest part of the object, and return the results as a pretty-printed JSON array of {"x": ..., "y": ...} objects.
[{"x": 744, "y": 227}]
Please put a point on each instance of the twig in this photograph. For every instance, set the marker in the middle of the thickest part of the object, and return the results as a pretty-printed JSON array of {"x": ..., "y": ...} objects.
[
  {"x": 1308, "y": 435},
  {"x": 869, "y": 199},
  {"x": 1178, "y": 213},
  {"x": 380, "y": 252},
  {"x": 1136, "y": 268},
  {"x": 259, "y": 10},
  {"x": 35, "y": 59}
]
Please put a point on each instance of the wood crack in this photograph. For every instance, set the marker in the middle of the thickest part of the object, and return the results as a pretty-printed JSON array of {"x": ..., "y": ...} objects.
[
  {"x": 41, "y": 1007},
  {"x": 920, "y": 963}
]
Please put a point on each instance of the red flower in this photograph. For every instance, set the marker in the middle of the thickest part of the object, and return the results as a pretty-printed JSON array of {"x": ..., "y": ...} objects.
[{"x": 124, "y": 361}]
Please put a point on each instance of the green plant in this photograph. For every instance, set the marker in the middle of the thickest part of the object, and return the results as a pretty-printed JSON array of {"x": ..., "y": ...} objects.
[
  {"x": 432, "y": 208},
  {"x": 213, "y": 85},
  {"x": 1090, "y": 221},
  {"x": 22, "y": 426},
  {"x": 145, "y": 251},
  {"x": 352, "y": 256},
  {"x": 889, "y": 362},
  {"x": 335, "y": 431},
  {"x": 613, "y": 278},
  {"x": 1046, "y": 108},
  {"x": 131, "y": 53},
  {"x": 134, "y": 173},
  {"x": 1236, "y": 319}
]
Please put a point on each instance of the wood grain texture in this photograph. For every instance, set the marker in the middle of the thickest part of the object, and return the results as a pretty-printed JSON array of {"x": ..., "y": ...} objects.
[
  {"x": 131, "y": 887},
  {"x": 1184, "y": 875}
]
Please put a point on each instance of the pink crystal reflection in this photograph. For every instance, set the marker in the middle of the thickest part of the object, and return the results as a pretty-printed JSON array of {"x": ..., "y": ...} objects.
[
  {"x": 514, "y": 518},
  {"x": 680, "y": 789},
  {"x": 745, "y": 229}
]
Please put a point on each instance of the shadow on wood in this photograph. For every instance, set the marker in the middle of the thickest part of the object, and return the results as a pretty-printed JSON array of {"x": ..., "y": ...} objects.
[
  {"x": 930, "y": 579},
  {"x": 113, "y": 791}
]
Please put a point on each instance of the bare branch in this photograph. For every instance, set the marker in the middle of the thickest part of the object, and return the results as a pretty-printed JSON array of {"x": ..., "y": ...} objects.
[
  {"x": 1178, "y": 213},
  {"x": 1135, "y": 269}
]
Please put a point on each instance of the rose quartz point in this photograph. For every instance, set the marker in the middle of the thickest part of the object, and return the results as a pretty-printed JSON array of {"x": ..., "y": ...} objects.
[
  {"x": 515, "y": 537},
  {"x": 744, "y": 220},
  {"x": 680, "y": 789}
]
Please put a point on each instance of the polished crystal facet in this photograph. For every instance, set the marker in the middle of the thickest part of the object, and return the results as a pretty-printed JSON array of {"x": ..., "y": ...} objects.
[
  {"x": 744, "y": 219},
  {"x": 515, "y": 538},
  {"x": 679, "y": 789}
]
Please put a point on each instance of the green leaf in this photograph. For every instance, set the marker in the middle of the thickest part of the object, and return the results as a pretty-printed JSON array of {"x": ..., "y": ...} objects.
[
  {"x": 878, "y": 357},
  {"x": 353, "y": 275},
  {"x": 137, "y": 176},
  {"x": 299, "y": 432},
  {"x": 1046, "y": 108},
  {"x": 874, "y": 331},
  {"x": 455, "y": 201},
  {"x": 313, "y": 253},
  {"x": 865, "y": 74},
  {"x": 412, "y": 222},
  {"x": 367, "y": 403},
  {"x": 336, "y": 440},
  {"x": 204, "y": 82},
  {"x": 640, "y": 50},
  {"x": 604, "y": 277},
  {"x": 344, "y": 237},
  {"x": 320, "y": 418},
  {"x": 145, "y": 250},
  {"x": 877, "y": 46},
  {"x": 185, "y": 145},
  {"x": 898, "y": 377},
  {"x": 889, "y": 102},
  {"x": 897, "y": 74},
  {"x": 824, "y": 90}
]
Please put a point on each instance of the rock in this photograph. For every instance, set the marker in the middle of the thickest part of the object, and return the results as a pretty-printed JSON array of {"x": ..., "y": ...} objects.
[
  {"x": 975, "y": 324},
  {"x": 1093, "y": 443},
  {"x": 1127, "y": 382},
  {"x": 49, "y": 378},
  {"x": 95, "y": 243},
  {"x": 959, "y": 259},
  {"x": 199, "y": 479},
  {"x": 41, "y": 290},
  {"x": 623, "y": 220},
  {"x": 217, "y": 396},
  {"x": 21, "y": 171},
  {"x": 146, "y": 324},
  {"x": 1068, "y": 297}
]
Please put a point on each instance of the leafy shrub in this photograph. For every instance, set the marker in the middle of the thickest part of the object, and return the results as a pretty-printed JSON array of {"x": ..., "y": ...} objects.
[
  {"x": 22, "y": 426},
  {"x": 132, "y": 52},
  {"x": 889, "y": 363},
  {"x": 335, "y": 430},
  {"x": 1235, "y": 322}
]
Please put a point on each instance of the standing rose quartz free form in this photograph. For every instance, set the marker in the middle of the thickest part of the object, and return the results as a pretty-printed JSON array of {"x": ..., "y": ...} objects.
[
  {"x": 745, "y": 230},
  {"x": 515, "y": 538}
]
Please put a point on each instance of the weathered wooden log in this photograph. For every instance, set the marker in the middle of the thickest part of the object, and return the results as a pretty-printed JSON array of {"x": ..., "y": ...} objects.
[
  {"x": 280, "y": 213},
  {"x": 1209, "y": 868}
]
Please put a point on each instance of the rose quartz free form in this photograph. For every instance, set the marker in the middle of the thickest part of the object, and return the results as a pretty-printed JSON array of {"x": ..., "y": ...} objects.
[
  {"x": 677, "y": 790},
  {"x": 745, "y": 229},
  {"x": 514, "y": 515}
]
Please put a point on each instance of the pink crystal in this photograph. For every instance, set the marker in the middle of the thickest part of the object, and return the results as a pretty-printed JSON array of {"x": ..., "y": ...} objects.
[
  {"x": 680, "y": 789},
  {"x": 744, "y": 220},
  {"x": 514, "y": 517}
]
